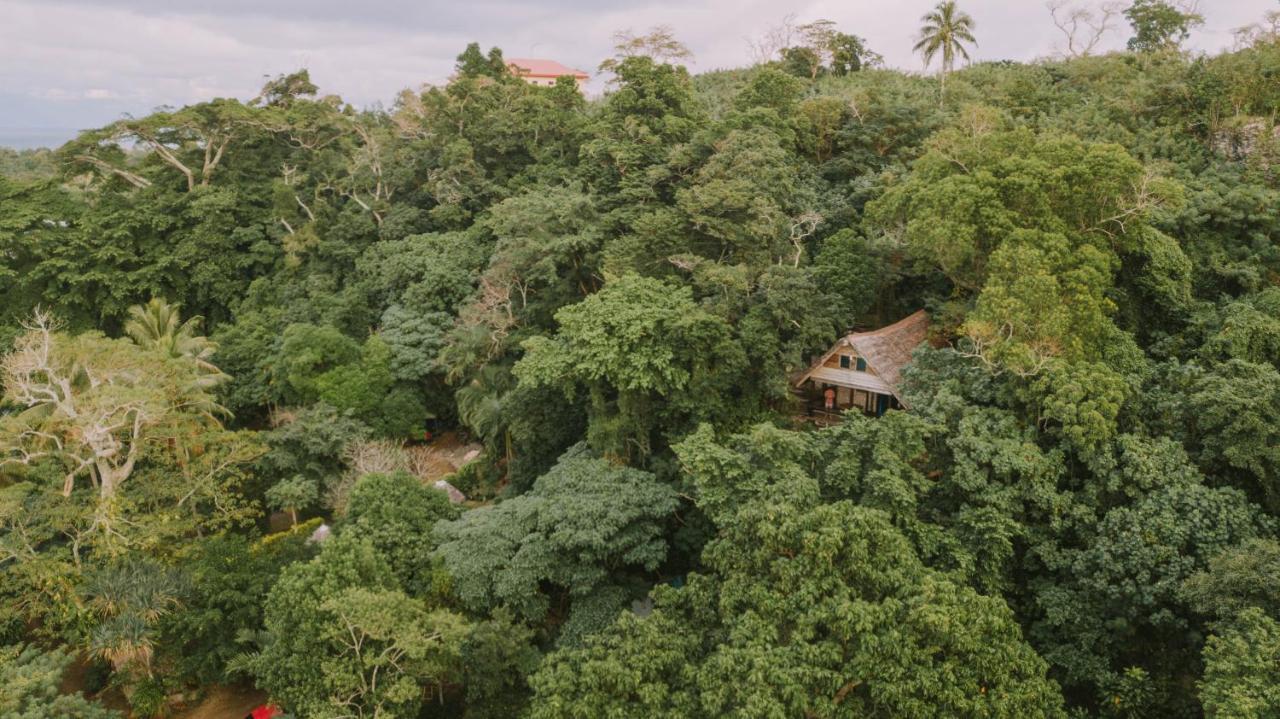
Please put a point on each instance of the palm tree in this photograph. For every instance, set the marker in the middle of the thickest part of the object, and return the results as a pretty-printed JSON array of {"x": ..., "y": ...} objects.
[
  {"x": 481, "y": 405},
  {"x": 129, "y": 599},
  {"x": 945, "y": 30},
  {"x": 158, "y": 325}
]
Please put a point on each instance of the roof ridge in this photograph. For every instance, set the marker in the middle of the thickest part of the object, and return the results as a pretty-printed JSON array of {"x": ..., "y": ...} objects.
[{"x": 888, "y": 329}]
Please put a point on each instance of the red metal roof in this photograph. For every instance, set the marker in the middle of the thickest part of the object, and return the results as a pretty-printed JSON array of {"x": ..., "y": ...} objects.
[{"x": 537, "y": 67}]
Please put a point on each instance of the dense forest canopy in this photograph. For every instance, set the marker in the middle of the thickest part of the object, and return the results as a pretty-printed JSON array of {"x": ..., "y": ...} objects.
[{"x": 234, "y": 332}]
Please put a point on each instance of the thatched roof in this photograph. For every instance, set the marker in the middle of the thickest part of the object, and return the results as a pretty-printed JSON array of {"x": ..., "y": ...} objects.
[
  {"x": 886, "y": 350},
  {"x": 889, "y": 349}
]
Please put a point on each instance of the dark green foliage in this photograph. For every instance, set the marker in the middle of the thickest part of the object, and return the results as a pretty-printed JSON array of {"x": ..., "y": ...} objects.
[
  {"x": 222, "y": 611},
  {"x": 831, "y": 614},
  {"x": 311, "y": 444},
  {"x": 613, "y": 296},
  {"x": 1240, "y": 577},
  {"x": 396, "y": 514},
  {"x": 497, "y": 657},
  {"x": 1116, "y": 603},
  {"x": 582, "y": 525},
  {"x": 1233, "y": 410}
]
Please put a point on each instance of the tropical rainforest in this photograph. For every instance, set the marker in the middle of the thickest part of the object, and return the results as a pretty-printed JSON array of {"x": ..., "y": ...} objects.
[{"x": 229, "y": 329}]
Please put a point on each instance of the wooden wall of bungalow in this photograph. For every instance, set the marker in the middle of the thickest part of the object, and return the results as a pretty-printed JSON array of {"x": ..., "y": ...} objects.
[
  {"x": 862, "y": 369},
  {"x": 856, "y": 383}
]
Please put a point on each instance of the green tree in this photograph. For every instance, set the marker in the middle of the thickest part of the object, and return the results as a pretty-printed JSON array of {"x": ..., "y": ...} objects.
[
  {"x": 292, "y": 495},
  {"x": 312, "y": 442},
  {"x": 945, "y": 30},
  {"x": 1117, "y": 602},
  {"x": 1242, "y": 668},
  {"x": 388, "y": 651},
  {"x": 1230, "y": 407},
  {"x": 585, "y": 526},
  {"x": 396, "y": 513},
  {"x": 1240, "y": 577},
  {"x": 497, "y": 658},
  {"x": 157, "y": 325},
  {"x": 228, "y": 577},
  {"x": 342, "y": 638},
  {"x": 29, "y": 686},
  {"x": 130, "y": 599},
  {"x": 1159, "y": 25},
  {"x": 93, "y": 404},
  {"x": 829, "y": 612},
  {"x": 646, "y": 355}
]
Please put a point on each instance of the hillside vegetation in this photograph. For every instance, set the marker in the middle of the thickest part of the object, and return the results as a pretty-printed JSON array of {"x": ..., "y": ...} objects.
[{"x": 238, "y": 308}]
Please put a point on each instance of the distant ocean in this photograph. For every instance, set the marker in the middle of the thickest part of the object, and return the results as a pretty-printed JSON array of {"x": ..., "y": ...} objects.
[{"x": 25, "y": 138}]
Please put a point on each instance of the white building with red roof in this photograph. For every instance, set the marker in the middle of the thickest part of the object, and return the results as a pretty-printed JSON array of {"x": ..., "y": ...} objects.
[{"x": 536, "y": 71}]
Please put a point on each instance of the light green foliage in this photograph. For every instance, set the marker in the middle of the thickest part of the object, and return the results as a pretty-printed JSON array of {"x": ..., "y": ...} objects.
[
  {"x": 293, "y": 495},
  {"x": 1242, "y": 669},
  {"x": 396, "y": 513},
  {"x": 322, "y": 364},
  {"x": 158, "y": 326},
  {"x": 308, "y": 352},
  {"x": 1035, "y": 228},
  {"x": 1084, "y": 399},
  {"x": 29, "y": 687},
  {"x": 1159, "y": 25},
  {"x": 1233, "y": 410},
  {"x": 128, "y": 428},
  {"x": 1244, "y": 576},
  {"x": 342, "y": 637},
  {"x": 1034, "y": 231},
  {"x": 386, "y": 649},
  {"x": 583, "y": 524},
  {"x": 645, "y": 354}
]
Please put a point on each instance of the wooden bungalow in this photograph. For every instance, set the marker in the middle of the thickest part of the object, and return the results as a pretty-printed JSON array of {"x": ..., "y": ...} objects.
[{"x": 863, "y": 369}]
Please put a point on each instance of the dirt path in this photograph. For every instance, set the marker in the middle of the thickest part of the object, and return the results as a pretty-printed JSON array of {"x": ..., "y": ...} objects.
[{"x": 225, "y": 703}]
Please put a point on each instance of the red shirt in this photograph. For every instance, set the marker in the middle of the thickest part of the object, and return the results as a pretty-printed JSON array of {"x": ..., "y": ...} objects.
[{"x": 266, "y": 711}]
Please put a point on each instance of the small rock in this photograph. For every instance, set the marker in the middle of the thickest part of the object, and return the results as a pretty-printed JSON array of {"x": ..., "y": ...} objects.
[
  {"x": 455, "y": 495},
  {"x": 320, "y": 535}
]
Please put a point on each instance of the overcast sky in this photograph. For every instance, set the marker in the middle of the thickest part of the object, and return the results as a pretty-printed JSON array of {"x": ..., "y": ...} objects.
[{"x": 67, "y": 64}]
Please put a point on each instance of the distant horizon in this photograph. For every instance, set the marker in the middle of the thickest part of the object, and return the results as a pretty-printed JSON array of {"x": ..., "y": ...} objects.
[
  {"x": 35, "y": 138},
  {"x": 175, "y": 53}
]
